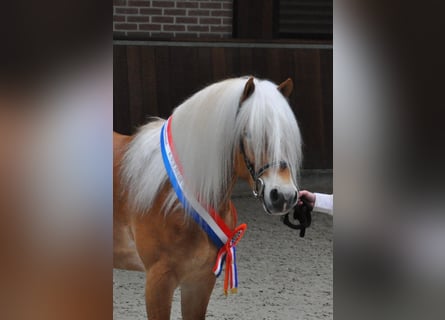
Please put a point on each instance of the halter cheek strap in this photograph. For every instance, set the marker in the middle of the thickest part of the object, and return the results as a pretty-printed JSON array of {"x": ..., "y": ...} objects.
[{"x": 258, "y": 190}]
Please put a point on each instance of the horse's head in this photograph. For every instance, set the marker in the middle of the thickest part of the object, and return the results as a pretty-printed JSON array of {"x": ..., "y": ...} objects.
[{"x": 269, "y": 150}]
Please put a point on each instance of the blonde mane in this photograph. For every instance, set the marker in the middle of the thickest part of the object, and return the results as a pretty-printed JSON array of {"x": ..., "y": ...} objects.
[{"x": 207, "y": 129}]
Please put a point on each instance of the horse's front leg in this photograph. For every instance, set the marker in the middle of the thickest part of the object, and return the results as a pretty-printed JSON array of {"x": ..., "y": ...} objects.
[
  {"x": 195, "y": 295},
  {"x": 160, "y": 285}
]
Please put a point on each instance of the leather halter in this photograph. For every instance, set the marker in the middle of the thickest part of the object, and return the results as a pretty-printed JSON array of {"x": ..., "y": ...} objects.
[{"x": 258, "y": 189}]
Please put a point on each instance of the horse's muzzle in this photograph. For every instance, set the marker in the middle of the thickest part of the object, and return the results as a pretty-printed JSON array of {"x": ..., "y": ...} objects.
[{"x": 279, "y": 203}]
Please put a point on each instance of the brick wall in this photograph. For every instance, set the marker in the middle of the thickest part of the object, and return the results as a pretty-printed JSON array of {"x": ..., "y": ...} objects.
[{"x": 143, "y": 19}]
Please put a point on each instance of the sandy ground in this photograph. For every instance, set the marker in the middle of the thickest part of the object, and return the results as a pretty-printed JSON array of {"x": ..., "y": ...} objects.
[{"x": 281, "y": 276}]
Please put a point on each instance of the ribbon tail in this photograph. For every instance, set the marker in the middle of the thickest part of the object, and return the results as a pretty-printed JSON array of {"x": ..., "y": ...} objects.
[
  {"x": 220, "y": 258},
  {"x": 227, "y": 255},
  {"x": 234, "y": 272},
  {"x": 227, "y": 276}
]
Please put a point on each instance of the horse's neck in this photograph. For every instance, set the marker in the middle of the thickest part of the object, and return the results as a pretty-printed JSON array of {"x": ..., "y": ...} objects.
[{"x": 225, "y": 208}]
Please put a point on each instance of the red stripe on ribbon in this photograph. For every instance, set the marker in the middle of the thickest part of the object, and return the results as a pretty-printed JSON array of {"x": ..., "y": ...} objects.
[{"x": 230, "y": 281}]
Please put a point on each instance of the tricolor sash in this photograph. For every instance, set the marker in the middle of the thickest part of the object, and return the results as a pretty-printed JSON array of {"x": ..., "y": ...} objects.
[{"x": 207, "y": 218}]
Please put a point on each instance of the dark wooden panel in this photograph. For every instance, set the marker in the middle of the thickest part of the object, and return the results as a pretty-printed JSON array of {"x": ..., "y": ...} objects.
[
  {"x": 152, "y": 81},
  {"x": 232, "y": 62},
  {"x": 280, "y": 19},
  {"x": 304, "y": 19},
  {"x": 309, "y": 111},
  {"x": 253, "y": 19},
  {"x": 219, "y": 63},
  {"x": 164, "y": 92},
  {"x": 203, "y": 68},
  {"x": 327, "y": 103},
  {"x": 149, "y": 84},
  {"x": 246, "y": 61},
  {"x": 121, "y": 112},
  {"x": 135, "y": 84},
  {"x": 180, "y": 85}
]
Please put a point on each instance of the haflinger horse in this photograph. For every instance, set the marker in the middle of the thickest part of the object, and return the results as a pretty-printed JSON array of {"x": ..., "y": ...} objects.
[{"x": 173, "y": 179}]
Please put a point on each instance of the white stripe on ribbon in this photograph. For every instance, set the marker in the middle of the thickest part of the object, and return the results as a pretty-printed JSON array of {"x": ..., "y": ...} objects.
[
  {"x": 203, "y": 213},
  {"x": 224, "y": 238}
]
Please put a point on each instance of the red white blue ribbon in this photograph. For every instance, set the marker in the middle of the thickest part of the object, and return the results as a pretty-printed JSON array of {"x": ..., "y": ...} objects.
[{"x": 207, "y": 218}]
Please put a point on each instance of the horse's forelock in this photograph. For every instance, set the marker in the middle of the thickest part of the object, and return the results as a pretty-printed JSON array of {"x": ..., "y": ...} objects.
[{"x": 272, "y": 127}]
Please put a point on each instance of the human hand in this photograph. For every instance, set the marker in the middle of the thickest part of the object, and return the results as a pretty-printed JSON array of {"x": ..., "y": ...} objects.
[{"x": 307, "y": 198}]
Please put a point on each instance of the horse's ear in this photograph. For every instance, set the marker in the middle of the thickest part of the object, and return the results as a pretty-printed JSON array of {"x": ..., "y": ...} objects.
[
  {"x": 286, "y": 87},
  {"x": 248, "y": 90}
]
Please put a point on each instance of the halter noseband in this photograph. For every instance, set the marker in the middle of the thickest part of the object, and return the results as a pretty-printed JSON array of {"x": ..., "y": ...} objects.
[{"x": 258, "y": 189}]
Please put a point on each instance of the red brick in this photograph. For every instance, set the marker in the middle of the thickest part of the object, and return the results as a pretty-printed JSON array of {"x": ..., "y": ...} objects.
[
  {"x": 174, "y": 12},
  {"x": 138, "y": 3},
  {"x": 209, "y": 20},
  {"x": 150, "y": 11},
  {"x": 227, "y": 21},
  {"x": 119, "y": 34},
  {"x": 127, "y": 10},
  {"x": 223, "y": 29},
  {"x": 210, "y": 36},
  {"x": 139, "y": 35},
  {"x": 221, "y": 13},
  {"x": 198, "y": 13},
  {"x": 119, "y": 2},
  {"x": 138, "y": 19},
  {"x": 125, "y": 26},
  {"x": 149, "y": 26},
  {"x": 198, "y": 28},
  {"x": 227, "y": 5},
  {"x": 118, "y": 18},
  {"x": 162, "y": 35},
  {"x": 186, "y": 35},
  {"x": 163, "y": 4},
  {"x": 210, "y": 5},
  {"x": 183, "y": 4},
  {"x": 162, "y": 19},
  {"x": 191, "y": 20},
  {"x": 173, "y": 27}
]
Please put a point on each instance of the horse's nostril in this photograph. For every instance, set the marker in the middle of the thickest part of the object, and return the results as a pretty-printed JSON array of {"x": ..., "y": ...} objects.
[{"x": 274, "y": 195}]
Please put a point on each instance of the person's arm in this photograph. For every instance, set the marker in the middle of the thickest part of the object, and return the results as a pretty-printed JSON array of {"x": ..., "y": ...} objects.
[{"x": 324, "y": 203}]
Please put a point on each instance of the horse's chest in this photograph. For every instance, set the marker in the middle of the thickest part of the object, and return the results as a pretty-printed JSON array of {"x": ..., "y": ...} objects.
[
  {"x": 179, "y": 243},
  {"x": 193, "y": 253},
  {"x": 201, "y": 250}
]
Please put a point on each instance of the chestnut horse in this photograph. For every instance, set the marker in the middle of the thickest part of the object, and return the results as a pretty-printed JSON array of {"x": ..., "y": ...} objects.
[{"x": 239, "y": 127}]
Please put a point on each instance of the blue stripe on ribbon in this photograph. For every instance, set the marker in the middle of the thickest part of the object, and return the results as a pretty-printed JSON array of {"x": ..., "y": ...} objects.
[
  {"x": 190, "y": 210},
  {"x": 221, "y": 265},
  {"x": 235, "y": 271}
]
